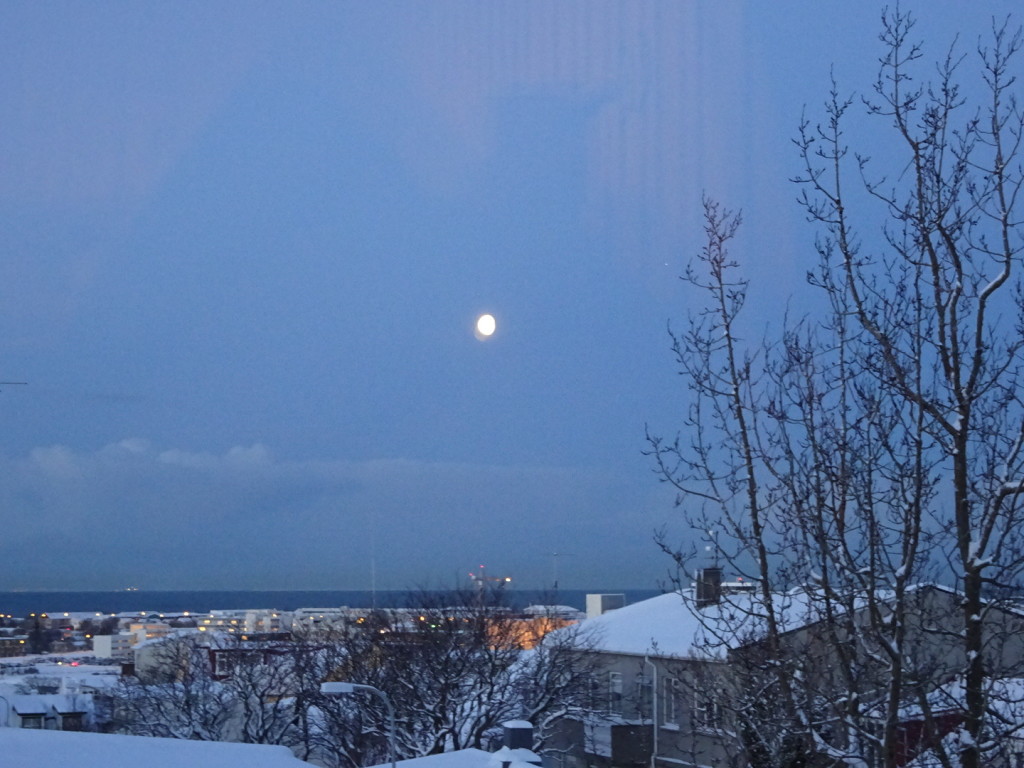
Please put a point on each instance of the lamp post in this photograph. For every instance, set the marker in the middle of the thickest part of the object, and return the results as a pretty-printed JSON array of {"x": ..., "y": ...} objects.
[
  {"x": 7, "y": 713},
  {"x": 339, "y": 689}
]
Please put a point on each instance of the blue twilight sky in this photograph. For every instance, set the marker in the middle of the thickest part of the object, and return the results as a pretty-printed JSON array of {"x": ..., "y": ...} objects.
[{"x": 244, "y": 246}]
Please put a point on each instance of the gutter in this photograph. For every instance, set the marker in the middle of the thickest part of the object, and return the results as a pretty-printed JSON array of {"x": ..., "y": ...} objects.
[{"x": 654, "y": 710}]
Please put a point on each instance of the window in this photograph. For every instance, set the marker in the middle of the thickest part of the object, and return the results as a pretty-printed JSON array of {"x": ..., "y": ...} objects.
[
  {"x": 615, "y": 693},
  {"x": 228, "y": 661},
  {"x": 670, "y": 701},
  {"x": 706, "y": 711},
  {"x": 595, "y": 693},
  {"x": 644, "y": 697},
  {"x": 224, "y": 665},
  {"x": 32, "y": 721}
]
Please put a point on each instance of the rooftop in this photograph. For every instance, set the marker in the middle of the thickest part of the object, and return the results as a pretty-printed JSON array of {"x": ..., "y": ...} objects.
[{"x": 672, "y": 625}]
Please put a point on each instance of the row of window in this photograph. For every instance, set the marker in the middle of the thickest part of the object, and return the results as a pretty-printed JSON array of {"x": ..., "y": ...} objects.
[
  {"x": 706, "y": 711},
  {"x": 70, "y": 722}
]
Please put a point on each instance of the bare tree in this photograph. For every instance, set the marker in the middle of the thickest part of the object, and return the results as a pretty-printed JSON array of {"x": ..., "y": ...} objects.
[
  {"x": 456, "y": 665},
  {"x": 221, "y": 687},
  {"x": 881, "y": 444},
  {"x": 175, "y": 695}
]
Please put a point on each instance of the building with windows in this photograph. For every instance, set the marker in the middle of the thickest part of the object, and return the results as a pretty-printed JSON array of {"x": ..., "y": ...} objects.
[
  {"x": 645, "y": 699},
  {"x": 110, "y": 646},
  {"x": 52, "y": 712},
  {"x": 12, "y": 645},
  {"x": 675, "y": 673}
]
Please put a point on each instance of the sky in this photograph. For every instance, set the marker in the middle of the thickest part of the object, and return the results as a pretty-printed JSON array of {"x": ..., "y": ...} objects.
[{"x": 245, "y": 245}]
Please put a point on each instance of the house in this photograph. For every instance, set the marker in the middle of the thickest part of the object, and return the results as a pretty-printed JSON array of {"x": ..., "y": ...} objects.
[
  {"x": 224, "y": 661},
  {"x": 168, "y": 657},
  {"x": 27, "y": 712},
  {"x": 68, "y": 712},
  {"x": 652, "y": 653},
  {"x": 675, "y": 671},
  {"x": 219, "y": 653},
  {"x": 52, "y": 712}
]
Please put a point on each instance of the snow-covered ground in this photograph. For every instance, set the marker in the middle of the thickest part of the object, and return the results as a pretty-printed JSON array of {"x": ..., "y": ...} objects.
[
  {"x": 66, "y": 671},
  {"x": 26, "y": 748},
  {"x": 40, "y": 682}
]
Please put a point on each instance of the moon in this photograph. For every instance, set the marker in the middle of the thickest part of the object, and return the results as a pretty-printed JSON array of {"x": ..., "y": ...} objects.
[{"x": 485, "y": 326}]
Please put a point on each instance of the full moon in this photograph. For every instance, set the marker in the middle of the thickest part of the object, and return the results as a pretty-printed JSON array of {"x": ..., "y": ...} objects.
[{"x": 485, "y": 325}]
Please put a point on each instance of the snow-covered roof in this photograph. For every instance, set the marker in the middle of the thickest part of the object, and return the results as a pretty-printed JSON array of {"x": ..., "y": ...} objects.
[
  {"x": 29, "y": 704},
  {"x": 549, "y": 611},
  {"x": 461, "y": 758},
  {"x": 40, "y": 703},
  {"x": 514, "y": 757},
  {"x": 671, "y": 624},
  {"x": 30, "y": 748}
]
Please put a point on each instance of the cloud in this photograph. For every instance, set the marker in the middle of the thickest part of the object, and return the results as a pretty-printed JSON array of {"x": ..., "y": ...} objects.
[
  {"x": 253, "y": 457},
  {"x": 131, "y": 513}
]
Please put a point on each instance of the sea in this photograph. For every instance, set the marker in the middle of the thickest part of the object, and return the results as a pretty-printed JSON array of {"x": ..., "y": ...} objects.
[{"x": 136, "y": 601}]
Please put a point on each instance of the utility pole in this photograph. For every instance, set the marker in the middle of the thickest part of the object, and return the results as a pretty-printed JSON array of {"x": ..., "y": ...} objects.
[{"x": 554, "y": 567}]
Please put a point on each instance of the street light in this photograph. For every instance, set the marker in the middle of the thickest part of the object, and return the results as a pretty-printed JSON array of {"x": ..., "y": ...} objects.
[{"x": 341, "y": 689}]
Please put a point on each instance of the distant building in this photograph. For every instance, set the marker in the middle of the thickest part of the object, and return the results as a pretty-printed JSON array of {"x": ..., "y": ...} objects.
[
  {"x": 12, "y": 645},
  {"x": 52, "y": 712},
  {"x": 319, "y": 619},
  {"x": 224, "y": 621},
  {"x": 114, "y": 646},
  {"x": 267, "y": 621},
  {"x": 147, "y": 630}
]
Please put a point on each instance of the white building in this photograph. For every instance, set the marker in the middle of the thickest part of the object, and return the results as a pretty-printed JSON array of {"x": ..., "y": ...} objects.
[
  {"x": 267, "y": 620},
  {"x": 110, "y": 646},
  {"x": 308, "y": 619}
]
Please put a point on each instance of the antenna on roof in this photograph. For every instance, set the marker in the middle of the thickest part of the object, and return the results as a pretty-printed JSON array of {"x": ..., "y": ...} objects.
[
  {"x": 554, "y": 567},
  {"x": 713, "y": 546}
]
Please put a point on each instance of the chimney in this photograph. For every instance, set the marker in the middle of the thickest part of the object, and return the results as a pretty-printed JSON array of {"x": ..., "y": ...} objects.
[
  {"x": 598, "y": 604},
  {"x": 518, "y": 734},
  {"x": 709, "y": 586},
  {"x": 517, "y": 751}
]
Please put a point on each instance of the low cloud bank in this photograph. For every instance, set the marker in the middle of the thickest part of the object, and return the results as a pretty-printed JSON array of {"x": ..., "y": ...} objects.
[{"x": 136, "y": 514}]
